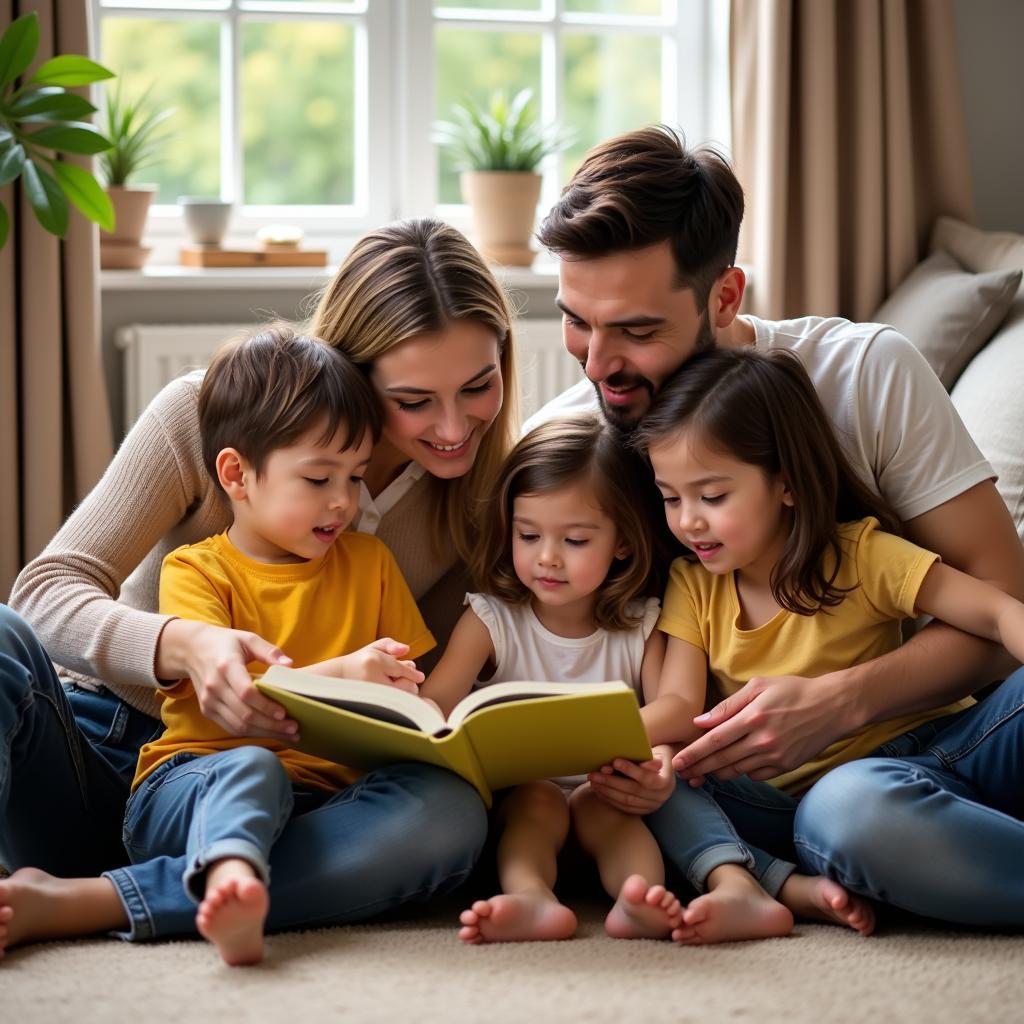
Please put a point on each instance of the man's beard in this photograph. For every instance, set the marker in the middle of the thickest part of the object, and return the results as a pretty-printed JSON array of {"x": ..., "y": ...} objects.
[{"x": 625, "y": 421}]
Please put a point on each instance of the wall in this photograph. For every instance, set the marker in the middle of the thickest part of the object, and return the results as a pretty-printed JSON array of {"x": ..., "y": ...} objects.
[{"x": 990, "y": 39}]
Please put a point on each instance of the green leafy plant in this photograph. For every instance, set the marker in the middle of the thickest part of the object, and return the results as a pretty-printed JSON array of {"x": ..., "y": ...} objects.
[
  {"x": 133, "y": 132},
  {"x": 500, "y": 135},
  {"x": 41, "y": 120}
]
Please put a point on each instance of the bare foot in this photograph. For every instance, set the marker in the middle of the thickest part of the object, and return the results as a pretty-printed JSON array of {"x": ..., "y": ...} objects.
[
  {"x": 232, "y": 913},
  {"x": 518, "y": 917},
  {"x": 643, "y": 911},
  {"x": 736, "y": 908},
  {"x": 35, "y": 905},
  {"x": 821, "y": 899}
]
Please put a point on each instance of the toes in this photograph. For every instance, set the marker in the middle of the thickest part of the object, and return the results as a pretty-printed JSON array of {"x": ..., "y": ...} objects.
[
  {"x": 656, "y": 895},
  {"x": 469, "y": 918}
]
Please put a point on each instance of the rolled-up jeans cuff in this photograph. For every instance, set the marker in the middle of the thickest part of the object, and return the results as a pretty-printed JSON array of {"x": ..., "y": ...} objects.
[
  {"x": 774, "y": 876},
  {"x": 140, "y": 923},
  {"x": 706, "y": 862},
  {"x": 194, "y": 878}
]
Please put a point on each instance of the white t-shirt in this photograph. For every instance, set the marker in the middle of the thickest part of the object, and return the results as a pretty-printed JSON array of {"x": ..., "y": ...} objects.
[
  {"x": 891, "y": 414},
  {"x": 525, "y": 650}
]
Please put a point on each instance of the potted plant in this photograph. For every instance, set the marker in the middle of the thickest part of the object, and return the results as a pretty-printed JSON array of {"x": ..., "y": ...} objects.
[
  {"x": 135, "y": 139},
  {"x": 498, "y": 146},
  {"x": 41, "y": 120}
]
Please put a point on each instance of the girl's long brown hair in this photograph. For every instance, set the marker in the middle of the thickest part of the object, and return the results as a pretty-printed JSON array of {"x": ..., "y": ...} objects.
[
  {"x": 558, "y": 454},
  {"x": 762, "y": 409}
]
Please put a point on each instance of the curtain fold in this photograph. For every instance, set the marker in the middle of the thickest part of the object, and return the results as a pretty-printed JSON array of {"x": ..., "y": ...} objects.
[
  {"x": 849, "y": 140},
  {"x": 55, "y": 432}
]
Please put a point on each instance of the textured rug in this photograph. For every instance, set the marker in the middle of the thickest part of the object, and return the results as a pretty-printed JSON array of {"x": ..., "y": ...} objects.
[{"x": 415, "y": 971}]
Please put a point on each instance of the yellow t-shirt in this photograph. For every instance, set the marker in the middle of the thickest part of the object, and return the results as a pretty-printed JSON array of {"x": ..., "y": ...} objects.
[
  {"x": 312, "y": 610},
  {"x": 703, "y": 609}
]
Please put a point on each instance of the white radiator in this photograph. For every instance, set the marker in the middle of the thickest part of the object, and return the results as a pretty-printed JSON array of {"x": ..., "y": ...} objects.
[{"x": 154, "y": 354}]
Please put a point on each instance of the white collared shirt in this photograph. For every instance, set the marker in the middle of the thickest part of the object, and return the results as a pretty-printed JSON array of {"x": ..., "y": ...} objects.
[{"x": 372, "y": 510}]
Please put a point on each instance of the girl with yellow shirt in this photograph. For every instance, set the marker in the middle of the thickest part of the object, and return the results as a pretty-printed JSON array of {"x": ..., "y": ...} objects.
[{"x": 791, "y": 572}]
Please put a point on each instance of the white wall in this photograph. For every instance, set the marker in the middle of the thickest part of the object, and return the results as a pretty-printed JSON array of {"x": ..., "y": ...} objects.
[{"x": 990, "y": 46}]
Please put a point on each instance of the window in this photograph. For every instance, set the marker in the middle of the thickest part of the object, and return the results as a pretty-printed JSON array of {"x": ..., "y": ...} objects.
[{"x": 319, "y": 112}]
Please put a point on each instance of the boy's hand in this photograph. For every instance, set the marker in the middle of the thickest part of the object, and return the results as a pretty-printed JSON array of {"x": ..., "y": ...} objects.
[
  {"x": 379, "y": 662},
  {"x": 635, "y": 788},
  {"x": 214, "y": 659}
]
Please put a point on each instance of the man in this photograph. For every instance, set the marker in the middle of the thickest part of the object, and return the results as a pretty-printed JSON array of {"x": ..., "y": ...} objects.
[{"x": 647, "y": 233}]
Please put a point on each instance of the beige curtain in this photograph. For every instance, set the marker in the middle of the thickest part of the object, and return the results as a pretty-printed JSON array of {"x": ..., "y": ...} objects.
[
  {"x": 849, "y": 139},
  {"x": 55, "y": 435}
]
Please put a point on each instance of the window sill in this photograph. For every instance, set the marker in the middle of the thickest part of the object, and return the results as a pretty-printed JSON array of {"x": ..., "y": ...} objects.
[{"x": 170, "y": 277}]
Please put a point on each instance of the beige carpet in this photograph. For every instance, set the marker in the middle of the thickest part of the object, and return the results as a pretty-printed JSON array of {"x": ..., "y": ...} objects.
[{"x": 415, "y": 971}]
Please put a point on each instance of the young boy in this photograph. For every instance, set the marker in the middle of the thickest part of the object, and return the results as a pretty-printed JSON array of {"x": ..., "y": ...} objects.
[{"x": 287, "y": 426}]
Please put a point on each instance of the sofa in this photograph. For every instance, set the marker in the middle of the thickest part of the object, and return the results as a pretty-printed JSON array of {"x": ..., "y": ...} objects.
[{"x": 963, "y": 308}]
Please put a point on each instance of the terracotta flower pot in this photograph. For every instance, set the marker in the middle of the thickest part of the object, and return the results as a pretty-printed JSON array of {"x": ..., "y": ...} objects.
[
  {"x": 122, "y": 248},
  {"x": 504, "y": 205}
]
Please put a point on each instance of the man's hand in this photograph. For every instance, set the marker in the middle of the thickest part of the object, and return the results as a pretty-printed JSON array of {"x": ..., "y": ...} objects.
[
  {"x": 379, "y": 662},
  {"x": 635, "y": 788},
  {"x": 215, "y": 659},
  {"x": 771, "y": 725}
]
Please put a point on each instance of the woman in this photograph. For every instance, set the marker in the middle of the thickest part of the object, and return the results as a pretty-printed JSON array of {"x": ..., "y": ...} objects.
[{"x": 415, "y": 305}]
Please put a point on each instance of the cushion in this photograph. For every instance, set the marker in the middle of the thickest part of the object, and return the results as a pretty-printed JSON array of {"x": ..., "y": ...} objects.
[
  {"x": 948, "y": 312},
  {"x": 978, "y": 250}
]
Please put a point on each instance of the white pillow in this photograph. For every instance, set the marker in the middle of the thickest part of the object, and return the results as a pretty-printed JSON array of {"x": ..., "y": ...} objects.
[{"x": 947, "y": 312}]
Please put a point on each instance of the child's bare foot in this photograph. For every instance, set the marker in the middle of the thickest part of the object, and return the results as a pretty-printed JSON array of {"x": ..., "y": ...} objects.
[
  {"x": 232, "y": 913},
  {"x": 821, "y": 899},
  {"x": 643, "y": 911},
  {"x": 736, "y": 908},
  {"x": 517, "y": 917},
  {"x": 35, "y": 905}
]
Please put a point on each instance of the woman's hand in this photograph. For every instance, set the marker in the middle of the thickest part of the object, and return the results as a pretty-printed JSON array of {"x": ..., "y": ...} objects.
[
  {"x": 636, "y": 788},
  {"x": 214, "y": 659},
  {"x": 379, "y": 662}
]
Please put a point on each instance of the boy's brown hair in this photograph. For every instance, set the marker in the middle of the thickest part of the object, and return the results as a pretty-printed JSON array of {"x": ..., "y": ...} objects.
[
  {"x": 647, "y": 187},
  {"x": 264, "y": 392},
  {"x": 554, "y": 455}
]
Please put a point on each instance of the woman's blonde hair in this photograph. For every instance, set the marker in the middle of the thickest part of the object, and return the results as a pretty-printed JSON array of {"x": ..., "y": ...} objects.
[
  {"x": 416, "y": 277},
  {"x": 555, "y": 455}
]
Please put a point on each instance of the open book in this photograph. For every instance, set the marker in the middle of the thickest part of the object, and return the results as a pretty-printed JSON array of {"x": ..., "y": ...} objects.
[{"x": 498, "y": 736}]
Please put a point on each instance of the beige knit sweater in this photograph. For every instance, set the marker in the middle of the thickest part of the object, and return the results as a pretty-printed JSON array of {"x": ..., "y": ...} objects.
[{"x": 92, "y": 595}]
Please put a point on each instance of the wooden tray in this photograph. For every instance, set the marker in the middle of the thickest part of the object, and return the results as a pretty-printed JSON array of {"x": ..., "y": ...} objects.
[{"x": 268, "y": 256}]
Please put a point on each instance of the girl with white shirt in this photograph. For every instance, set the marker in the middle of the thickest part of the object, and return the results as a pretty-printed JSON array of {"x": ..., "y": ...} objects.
[{"x": 563, "y": 559}]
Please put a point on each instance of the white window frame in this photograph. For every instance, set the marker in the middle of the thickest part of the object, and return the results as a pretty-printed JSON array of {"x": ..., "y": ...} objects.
[{"x": 395, "y": 95}]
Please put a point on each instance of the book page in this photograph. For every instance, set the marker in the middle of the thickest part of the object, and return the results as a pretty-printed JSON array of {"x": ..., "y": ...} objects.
[
  {"x": 501, "y": 693},
  {"x": 372, "y": 700}
]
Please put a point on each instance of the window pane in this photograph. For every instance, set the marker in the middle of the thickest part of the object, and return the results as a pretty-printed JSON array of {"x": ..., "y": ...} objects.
[
  {"x": 298, "y": 112},
  {"x": 181, "y": 60},
  {"x": 471, "y": 65},
  {"x": 632, "y": 8},
  {"x": 612, "y": 85}
]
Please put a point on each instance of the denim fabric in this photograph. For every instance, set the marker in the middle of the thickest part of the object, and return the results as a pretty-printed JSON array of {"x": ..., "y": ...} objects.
[
  {"x": 402, "y": 833},
  {"x": 932, "y": 821},
  {"x": 67, "y": 759},
  {"x": 697, "y": 836},
  {"x": 231, "y": 804}
]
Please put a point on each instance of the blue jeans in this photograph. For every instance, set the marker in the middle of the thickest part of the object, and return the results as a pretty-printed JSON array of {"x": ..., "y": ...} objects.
[
  {"x": 67, "y": 759},
  {"x": 398, "y": 834},
  {"x": 931, "y": 822}
]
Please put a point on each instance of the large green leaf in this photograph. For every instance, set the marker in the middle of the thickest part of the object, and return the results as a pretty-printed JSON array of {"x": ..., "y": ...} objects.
[
  {"x": 50, "y": 103},
  {"x": 76, "y": 137},
  {"x": 11, "y": 162},
  {"x": 70, "y": 70},
  {"x": 47, "y": 199},
  {"x": 17, "y": 47},
  {"x": 81, "y": 188},
  {"x": 5, "y": 226}
]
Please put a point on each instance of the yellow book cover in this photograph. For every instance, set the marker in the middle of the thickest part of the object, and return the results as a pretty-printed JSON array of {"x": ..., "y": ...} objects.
[{"x": 498, "y": 736}]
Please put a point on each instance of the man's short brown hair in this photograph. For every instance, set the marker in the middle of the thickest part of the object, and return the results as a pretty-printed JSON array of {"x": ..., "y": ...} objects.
[
  {"x": 646, "y": 187},
  {"x": 264, "y": 392}
]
